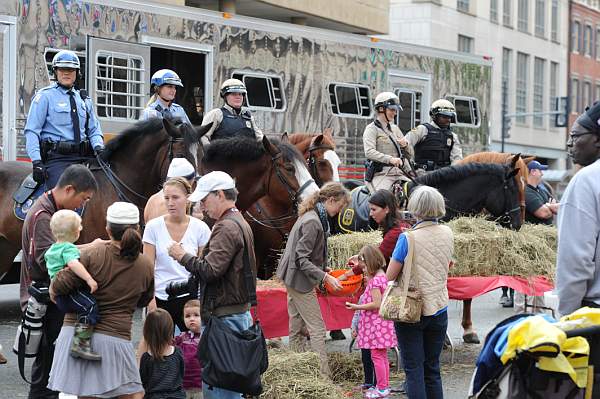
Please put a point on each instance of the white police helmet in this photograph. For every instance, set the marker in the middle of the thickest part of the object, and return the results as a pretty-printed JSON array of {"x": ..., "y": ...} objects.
[
  {"x": 165, "y": 77},
  {"x": 443, "y": 107},
  {"x": 232, "y": 86},
  {"x": 65, "y": 59},
  {"x": 388, "y": 100}
]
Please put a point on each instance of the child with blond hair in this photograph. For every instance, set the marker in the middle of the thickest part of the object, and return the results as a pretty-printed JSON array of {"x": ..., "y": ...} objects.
[{"x": 66, "y": 226}]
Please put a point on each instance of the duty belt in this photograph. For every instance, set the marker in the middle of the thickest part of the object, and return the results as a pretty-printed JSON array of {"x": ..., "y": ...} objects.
[
  {"x": 66, "y": 147},
  {"x": 430, "y": 165}
]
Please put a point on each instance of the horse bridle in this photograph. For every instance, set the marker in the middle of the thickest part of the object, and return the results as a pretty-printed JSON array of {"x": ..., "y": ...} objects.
[
  {"x": 311, "y": 160},
  {"x": 506, "y": 216}
]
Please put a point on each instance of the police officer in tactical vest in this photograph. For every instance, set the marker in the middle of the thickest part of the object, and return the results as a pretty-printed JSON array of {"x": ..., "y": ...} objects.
[
  {"x": 164, "y": 85},
  {"x": 434, "y": 144},
  {"x": 231, "y": 119},
  {"x": 62, "y": 128}
]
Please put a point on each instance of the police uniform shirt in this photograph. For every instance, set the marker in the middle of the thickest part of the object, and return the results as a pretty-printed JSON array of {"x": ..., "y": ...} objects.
[
  {"x": 50, "y": 119},
  {"x": 216, "y": 117},
  {"x": 158, "y": 110},
  {"x": 418, "y": 133},
  {"x": 379, "y": 147}
]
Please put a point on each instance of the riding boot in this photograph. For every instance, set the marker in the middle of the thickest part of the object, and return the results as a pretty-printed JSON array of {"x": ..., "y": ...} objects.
[
  {"x": 81, "y": 345},
  {"x": 337, "y": 335}
]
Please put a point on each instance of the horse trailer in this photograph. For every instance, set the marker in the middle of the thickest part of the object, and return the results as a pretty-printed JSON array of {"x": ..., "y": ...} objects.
[{"x": 299, "y": 79}]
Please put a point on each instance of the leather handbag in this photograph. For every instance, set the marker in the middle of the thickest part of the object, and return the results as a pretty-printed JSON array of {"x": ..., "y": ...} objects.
[{"x": 403, "y": 303}]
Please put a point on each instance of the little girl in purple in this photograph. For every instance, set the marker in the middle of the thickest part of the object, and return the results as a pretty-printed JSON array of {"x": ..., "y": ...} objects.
[
  {"x": 188, "y": 343},
  {"x": 374, "y": 333}
]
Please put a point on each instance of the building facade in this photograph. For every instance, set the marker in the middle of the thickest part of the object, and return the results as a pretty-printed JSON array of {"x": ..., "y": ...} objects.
[
  {"x": 528, "y": 43},
  {"x": 584, "y": 56}
]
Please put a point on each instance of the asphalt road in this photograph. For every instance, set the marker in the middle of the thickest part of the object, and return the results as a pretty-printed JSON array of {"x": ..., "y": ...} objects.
[{"x": 456, "y": 376}]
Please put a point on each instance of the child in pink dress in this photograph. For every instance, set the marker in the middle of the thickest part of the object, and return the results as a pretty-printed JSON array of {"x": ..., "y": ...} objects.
[{"x": 374, "y": 333}]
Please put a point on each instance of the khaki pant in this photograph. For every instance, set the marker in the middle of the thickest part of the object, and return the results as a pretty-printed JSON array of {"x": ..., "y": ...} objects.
[
  {"x": 304, "y": 310},
  {"x": 384, "y": 181}
]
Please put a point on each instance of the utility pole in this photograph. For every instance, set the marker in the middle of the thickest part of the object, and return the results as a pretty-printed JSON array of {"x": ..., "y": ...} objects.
[{"x": 505, "y": 119}]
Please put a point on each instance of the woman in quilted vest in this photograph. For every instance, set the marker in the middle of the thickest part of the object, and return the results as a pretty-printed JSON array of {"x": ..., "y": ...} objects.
[{"x": 429, "y": 247}]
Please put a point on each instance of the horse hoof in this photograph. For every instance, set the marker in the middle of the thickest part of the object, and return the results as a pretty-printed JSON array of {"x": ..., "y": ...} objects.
[{"x": 471, "y": 338}]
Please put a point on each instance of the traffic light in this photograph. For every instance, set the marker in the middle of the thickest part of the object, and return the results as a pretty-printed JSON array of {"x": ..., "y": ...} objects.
[{"x": 561, "y": 104}]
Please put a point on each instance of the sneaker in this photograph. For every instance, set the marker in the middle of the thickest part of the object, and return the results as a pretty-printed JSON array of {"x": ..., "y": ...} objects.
[
  {"x": 503, "y": 299},
  {"x": 377, "y": 393},
  {"x": 364, "y": 387}
]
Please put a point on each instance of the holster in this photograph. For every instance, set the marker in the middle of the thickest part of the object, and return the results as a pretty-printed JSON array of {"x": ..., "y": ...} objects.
[{"x": 372, "y": 167}]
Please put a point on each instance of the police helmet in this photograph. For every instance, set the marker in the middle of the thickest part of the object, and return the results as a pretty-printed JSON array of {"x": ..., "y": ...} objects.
[
  {"x": 65, "y": 59},
  {"x": 443, "y": 107},
  {"x": 165, "y": 77},
  {"x": 388, "y": 100},
  {"x": 232, "y": 86}
]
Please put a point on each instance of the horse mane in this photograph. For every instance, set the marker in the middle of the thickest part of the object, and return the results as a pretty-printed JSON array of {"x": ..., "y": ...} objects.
[
  {"x": 454, "y": 173},
  {"x": 246, "y": 149},
  {"x": 128, "y": 136}
]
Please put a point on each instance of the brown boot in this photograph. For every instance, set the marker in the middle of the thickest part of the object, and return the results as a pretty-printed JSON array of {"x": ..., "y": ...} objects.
[
  {"x": 81, "y": 346},
  {"x": 2, "y": 358}
]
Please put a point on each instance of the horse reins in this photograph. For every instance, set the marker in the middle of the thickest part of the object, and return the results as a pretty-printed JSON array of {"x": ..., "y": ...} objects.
[{"x": 311, "y": 160}]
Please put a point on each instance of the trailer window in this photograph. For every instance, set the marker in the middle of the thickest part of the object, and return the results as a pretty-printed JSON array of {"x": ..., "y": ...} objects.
[
  {"x": 467, "y": 110},
  {"x": 410, "y": 116},
  {"x": 49, "y": 54},
  {"x": 350, "y": 100},
  {"x": 264, "y": 91},
  {"x": 120, "y": 85}
]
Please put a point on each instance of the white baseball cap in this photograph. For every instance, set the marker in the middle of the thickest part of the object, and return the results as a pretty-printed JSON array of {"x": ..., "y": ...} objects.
[
  {"x": 123, "y": 213},
  {"x": 180, "y": 167},
  {"x": 212, "y": 181}
]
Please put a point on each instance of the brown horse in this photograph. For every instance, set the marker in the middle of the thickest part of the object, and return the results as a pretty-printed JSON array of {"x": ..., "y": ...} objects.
[
  {"x": 271, "y": 218},
  {"x": 133, "y": 167},
  {"x": 469, "y": 335}
]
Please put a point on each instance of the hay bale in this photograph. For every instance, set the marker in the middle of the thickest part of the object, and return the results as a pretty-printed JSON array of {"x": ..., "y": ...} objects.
[
  {"x": 342, "y": 246},
  {"x": 294, "y": 375}
]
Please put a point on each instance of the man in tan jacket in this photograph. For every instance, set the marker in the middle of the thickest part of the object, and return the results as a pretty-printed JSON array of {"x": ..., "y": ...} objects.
[{"x": 386, "y": 149}]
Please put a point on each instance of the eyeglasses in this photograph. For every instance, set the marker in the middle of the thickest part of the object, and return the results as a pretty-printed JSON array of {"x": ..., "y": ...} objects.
[
  {"x": 203, "y": 200},
  {"x": 573, "y": 137}
]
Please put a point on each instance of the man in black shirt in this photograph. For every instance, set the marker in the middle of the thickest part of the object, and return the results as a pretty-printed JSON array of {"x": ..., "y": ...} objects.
[{"x": 539, "y": 207}]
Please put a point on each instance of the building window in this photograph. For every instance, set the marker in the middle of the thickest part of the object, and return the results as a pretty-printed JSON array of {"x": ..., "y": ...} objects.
[
  {"x": 597, "y": 93},
  {"x": 540, "y": 18},
  {"x": 586, "y": 96},
  {"x": 265, "y": 91},
  {"x": 410, "y": 116},
  {"x": 575, "y": 96},
  {"x": 120, "y": 85},
  {"x": 553, "y": 95},
  {"x": 523, "y": 16},
  {"x": 494, "y": 11},
  {"x": 506, "y": 65},
  {"x": 467, "y": 110},
  {"x": 507, "y": 13},
  {"x": 350, "y": 100},
  {"x": 465, "y": 44},
  {"x": 462, "y": 5},
  {"x": 539, "y": 71},
  {"x": 522, "y": 81},
  {"x": 554, "y": 21},
  {"x": 587, "y": 41},
  {"x": 575, "y": 36}
]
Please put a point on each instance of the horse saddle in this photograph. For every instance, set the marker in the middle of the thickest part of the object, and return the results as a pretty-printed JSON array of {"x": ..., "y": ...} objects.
[
  {"x": 355, "y": 217},
  {"x": 25, "y": 196}
]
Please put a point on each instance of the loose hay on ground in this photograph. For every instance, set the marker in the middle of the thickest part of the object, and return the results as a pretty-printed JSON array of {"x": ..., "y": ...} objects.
[{"x": 346, "y": 367}]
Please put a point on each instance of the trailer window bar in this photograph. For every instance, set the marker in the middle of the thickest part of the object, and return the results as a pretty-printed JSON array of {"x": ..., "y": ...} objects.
[
  {"x": 264, "y": 91},
  {"x": 410, "y": 116},
  {"x": 350, "y": 100},
  {"x": 49, "y": 54},
  {"x": 120, "y": 85},
  {"x": 467, "y": 110}
]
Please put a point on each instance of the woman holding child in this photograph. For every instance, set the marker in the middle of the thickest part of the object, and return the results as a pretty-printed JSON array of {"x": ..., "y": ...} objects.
[
  {"x": 125, "y": 282},
  {"x": 432, "y": 247}
]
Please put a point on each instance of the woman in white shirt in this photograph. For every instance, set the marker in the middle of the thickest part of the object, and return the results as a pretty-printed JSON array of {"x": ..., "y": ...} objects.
[{"x": 162, "y": 232}]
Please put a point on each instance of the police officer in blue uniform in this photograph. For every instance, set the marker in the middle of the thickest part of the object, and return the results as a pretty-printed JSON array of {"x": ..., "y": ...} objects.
[
  {"x": 62, "y": 128},
  {"x": 164, "y": 85},
  {"x": 231, "y": 119}
]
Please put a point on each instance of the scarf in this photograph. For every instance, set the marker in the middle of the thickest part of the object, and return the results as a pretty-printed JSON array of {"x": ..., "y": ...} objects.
[{"x": 322, "y": 213}]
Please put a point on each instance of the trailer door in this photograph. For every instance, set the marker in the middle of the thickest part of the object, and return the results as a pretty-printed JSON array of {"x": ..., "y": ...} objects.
[
  {"x": 414, "y": 91},
  {"x": 118, "y": 81},
  {"x": 8, "y": 82}
]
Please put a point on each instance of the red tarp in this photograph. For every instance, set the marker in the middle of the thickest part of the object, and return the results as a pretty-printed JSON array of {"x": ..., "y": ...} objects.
[{"x": 272, "y": 302}]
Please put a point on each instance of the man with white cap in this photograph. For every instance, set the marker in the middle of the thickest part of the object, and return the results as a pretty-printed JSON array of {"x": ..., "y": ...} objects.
[
  {"x": 220, "y": 270},
  {"x": 156, "y": 206}
]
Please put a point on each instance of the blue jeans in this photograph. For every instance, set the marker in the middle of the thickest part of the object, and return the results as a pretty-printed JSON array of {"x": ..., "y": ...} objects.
[
  {"x": 420, "y": 347},
  {"x": 81, "y": 302},
  {"x": 239, "y": 322}
]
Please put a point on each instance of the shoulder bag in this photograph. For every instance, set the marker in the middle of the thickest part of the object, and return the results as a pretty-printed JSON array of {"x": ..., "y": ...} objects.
[
  {"x": 403, "y": 303},
  {"x": 232, "y": 359}
]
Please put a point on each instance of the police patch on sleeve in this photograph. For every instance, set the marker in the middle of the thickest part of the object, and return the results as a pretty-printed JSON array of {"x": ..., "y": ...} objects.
[
  {"x": 248, "y": 124},
  {"x": 448, "y": 142}
]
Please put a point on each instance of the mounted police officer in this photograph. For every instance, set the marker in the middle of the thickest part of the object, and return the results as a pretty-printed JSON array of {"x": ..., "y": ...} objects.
[
  {"x": 62, "y": 128},
  {"x": 231, "y": 119},
  {"x": 387, "y": 150},
  {"x": 434, "y": 144},
  {"x": 164, "y": 85}
]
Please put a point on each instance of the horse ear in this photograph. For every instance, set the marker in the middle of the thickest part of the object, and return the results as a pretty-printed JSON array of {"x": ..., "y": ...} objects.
[
  {"x": 512, "y": 173},
  {"x": 170, "y": 128},
  {"x": 269, "y": 147},
  {"x": 328, "y": 132},
  {"x": 202, "y": 130},
  {"x": 528, "y": 159},
  {"x": 514, "y": 160},
  {"x": 285, "y": 137},
  {"x": 319, "y": 139}
]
